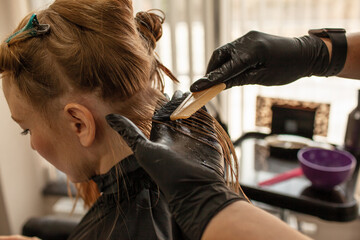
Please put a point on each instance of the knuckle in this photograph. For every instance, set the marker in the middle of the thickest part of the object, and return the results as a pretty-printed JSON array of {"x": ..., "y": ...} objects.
[{"x": 253, "y": 33}]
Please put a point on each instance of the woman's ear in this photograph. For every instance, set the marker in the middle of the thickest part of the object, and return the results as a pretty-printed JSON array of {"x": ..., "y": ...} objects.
[{"x": 82, "y": 122}]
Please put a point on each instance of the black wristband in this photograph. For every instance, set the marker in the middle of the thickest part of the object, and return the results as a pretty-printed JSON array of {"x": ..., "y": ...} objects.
[{"x": 339, "y": 48}]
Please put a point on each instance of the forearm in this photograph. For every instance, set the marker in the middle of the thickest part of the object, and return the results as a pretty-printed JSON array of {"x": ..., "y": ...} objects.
[
  {"x": 352, "y": 65},
  {"x": 243, "y": 220}
]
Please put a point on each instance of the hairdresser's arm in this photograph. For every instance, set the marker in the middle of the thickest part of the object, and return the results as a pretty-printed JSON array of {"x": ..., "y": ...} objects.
[
  {"x": 352, "y": 64},
  {"x": 242, "y": 220},
  {"x": 17, "y": 237},
  {"x": 260, "y": 58}
]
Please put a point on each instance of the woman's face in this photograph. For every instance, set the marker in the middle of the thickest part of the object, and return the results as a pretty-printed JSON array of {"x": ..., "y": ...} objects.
[{"x": 54, "y": 143}]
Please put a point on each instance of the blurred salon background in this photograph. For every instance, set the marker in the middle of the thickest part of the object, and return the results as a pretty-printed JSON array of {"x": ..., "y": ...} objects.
[{"x": 192, "y": 30}]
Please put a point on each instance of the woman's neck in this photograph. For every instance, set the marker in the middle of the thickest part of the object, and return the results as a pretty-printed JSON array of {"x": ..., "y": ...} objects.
[{"x": 115, "y": 150}]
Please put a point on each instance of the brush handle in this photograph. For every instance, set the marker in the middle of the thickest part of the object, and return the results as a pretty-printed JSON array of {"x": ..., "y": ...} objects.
[{"x": 195, "y": 101}]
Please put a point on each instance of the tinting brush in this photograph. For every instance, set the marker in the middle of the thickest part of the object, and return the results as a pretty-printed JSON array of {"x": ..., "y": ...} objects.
[{"x": 195, "y": 101}]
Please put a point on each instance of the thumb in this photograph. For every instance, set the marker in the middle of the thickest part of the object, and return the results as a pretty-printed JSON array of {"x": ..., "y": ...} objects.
[
  {"x": 222, "y": 74},
  {"x": 127, "y": 130}
]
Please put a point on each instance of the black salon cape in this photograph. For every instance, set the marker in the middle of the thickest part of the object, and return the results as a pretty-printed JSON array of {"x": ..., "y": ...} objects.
[{"x": 130, "y": 207}]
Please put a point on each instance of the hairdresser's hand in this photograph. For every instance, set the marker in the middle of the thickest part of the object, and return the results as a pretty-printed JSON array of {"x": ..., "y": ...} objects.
[
  {"x": 18, "y": 237},
  {"x": 260, "y": 58},
  {"x": 188, "y": 172}
]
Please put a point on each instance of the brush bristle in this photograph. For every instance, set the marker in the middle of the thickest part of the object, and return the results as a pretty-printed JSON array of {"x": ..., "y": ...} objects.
[{"x": 164, "y": 113}]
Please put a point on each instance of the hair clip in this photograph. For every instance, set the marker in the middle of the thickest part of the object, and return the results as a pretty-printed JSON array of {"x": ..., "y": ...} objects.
[{"x": 32, "y": 28}]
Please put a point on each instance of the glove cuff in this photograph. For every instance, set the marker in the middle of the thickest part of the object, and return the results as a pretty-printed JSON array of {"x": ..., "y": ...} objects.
[{"x": 339, "y": 48}]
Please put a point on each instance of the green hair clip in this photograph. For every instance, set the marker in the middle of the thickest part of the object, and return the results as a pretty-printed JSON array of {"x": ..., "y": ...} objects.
[{"x": 32, "y": 28}]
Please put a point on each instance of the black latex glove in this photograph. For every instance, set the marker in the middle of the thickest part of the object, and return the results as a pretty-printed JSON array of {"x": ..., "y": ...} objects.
[
  {"x": 188, "y": 172},
  {"x": 260, "y": 58}
]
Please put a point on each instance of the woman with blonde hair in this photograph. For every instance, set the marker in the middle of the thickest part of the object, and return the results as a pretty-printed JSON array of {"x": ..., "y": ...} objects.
[
  {"x": 63, "y": 70},
  {"x": 69, "y": 66}
]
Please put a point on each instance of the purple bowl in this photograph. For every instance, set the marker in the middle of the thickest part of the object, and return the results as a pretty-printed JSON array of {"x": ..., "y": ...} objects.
[{"x": 326, "y": 168}]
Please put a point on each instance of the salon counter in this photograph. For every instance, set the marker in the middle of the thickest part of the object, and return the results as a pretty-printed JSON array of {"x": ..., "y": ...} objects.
[{"x": 295, "y": 194}]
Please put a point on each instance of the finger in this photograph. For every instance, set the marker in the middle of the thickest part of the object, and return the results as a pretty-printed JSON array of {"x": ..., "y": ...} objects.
[
  {"x": 218, "y": 57},
  {"x": 164, "y": 113},
  {"x": 177, "y": 94},
  {"x": 222, "y": 74},
  {"x": 250, "y": 76},
  {"x": 167, "y": 96},
  {"x": 127, "y": 130},
  {"x": 226, "y": 71},
  {"x": 201, "y": 84}
]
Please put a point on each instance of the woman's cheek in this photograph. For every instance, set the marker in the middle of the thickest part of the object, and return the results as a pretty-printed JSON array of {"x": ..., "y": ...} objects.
[{"x": 44, "y": 148}]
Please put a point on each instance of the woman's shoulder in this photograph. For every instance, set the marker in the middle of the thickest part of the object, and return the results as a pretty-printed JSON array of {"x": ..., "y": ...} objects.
[{"x": 143, "y": 216}]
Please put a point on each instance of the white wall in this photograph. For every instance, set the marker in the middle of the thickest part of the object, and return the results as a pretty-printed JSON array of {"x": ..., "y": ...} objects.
[{"x": 21, "y": 172}]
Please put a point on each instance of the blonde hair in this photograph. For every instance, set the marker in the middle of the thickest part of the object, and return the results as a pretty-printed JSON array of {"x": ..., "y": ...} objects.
[{"x": 93, "y": 46}]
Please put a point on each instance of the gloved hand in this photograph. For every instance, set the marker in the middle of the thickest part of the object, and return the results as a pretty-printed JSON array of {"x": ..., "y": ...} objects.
[
  {"x": 260, "y": 58},
  {"x": 189, "y": 172}
]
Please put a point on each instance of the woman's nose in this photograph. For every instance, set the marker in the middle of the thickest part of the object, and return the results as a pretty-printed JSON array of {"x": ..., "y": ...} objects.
[{"x": 32, "y": 145}]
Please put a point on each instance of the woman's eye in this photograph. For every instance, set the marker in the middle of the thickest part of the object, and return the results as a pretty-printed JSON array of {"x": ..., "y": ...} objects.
[{"x": 25, "y": 132}]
